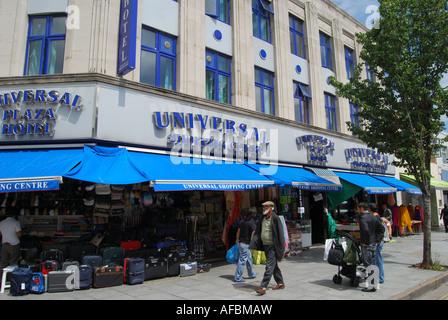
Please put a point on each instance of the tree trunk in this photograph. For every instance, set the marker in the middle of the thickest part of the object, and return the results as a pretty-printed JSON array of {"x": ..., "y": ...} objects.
[{"x": 427, "y": 260}]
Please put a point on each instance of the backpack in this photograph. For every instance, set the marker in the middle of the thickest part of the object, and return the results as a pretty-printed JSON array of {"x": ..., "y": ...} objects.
[
  {"x": 21, "y": 281},
  {"x": 37, "y": 283}
]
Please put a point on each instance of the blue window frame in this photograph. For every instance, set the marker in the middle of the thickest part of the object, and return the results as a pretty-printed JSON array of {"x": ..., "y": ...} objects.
[
  {"x": 349, "y": 62},
  {"x": 264, "y": 91},
  {"x": 330, "y": 111},
  {"x": 301, "y": 102},
  {"x": 354, "y": 114},
  {"x": 218, "y": 9},
  {"x": 296, "y": 37},
  {"x": 218, "y": 77},
  {"x": 261, "y": 19},
  {"x": 158, "y": 59},
  {"x": 45, "y": 45},
  {"x": 325, "y": 51},
  {"x": 370, "y": 74}
]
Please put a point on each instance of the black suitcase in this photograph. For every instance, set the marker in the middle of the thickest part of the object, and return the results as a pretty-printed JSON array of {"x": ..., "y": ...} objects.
[
  {"x": 113, "y": 256},
  {"x": 53, "y": 254},
  {"x": 175, "y": 258},
  {"x": 95, "y": 261},
  {"x": 85, "y": 276},
  {"x": 61, "y": 281},
  {"x": 108, "y": 276},
  {"x": 134, "y": 270},
  {"x": 155, "y": 268},
  {"x": 78, "y": 250}
]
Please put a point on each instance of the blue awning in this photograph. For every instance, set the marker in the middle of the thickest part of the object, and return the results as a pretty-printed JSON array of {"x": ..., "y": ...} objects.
[
  {"x": 370, "y": 184},
  {"x": 35, "y": 170},
  {"x": 297, "y": 177},
  {"x": 172, "y": 173},
  {"x": 400, "y": 185}
]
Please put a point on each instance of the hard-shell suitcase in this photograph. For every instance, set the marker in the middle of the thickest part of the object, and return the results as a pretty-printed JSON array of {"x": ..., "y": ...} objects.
[
  {"x": 175, "y": 258},
  {"x": 21, "y": 278},
  {"x": 108, "y": 276},
  {"x": 37, "y": 283},
  {"x": 66, "y": 264},
  {"x": 155, "y": 268},
  {"x": 61, "y": 281},
  {"x": 130, "y": 245},
  {"x": 95, "y": 261},
  {"x": 113, "y": 256},
  {"x": 134, "y": 270},
  {"x": 85, "y": 276},
  {"x": 188, "y": 269}
]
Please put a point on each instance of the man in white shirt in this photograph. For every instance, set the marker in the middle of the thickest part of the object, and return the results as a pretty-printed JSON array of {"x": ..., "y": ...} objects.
[{"x": 11, "y": 231}]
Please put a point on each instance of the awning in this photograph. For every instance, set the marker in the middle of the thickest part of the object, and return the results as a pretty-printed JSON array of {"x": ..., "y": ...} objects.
[
  {"x": 172, "y": 173},
  {"x": 297, "y": 177},
  {"x": 327, "y": 175},
  {"x": 400, "y": 185},
  {"x": 370, "y": 184},
  {"x": 435, "y": 183},
  {"x": 35, "y": 170}
]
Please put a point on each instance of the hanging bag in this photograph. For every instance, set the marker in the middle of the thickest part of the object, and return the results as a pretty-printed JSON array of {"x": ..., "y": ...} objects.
[{"x": 233, "y": 254}]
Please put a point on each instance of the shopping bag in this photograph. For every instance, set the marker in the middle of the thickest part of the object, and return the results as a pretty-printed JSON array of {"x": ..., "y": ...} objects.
[
  {"x": 233, "y": 254},
  {"x": 259, "y": 257},
  {"x": 328, "y": 246}
]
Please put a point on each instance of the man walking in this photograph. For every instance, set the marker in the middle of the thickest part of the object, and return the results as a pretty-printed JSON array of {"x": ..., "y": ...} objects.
[
  {"x": 444, "y": 215},
  {"x": 246, "y": 229},
  {"x": 11, "y": 231},
  {"x": 269, "y": 237}
]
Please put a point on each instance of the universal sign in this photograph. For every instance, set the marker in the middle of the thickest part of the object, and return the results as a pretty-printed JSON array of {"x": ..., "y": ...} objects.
[
  {"x": 318, "y": 147},
  {"x": 367, "y": 159},
  {"x": 33, "y": 112}
]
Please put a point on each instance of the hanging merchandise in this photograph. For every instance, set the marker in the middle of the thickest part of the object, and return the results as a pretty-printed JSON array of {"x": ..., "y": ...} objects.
[{"x": 404, "y": 218}]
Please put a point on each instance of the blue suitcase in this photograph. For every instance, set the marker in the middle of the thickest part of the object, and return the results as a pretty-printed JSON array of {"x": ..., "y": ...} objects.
[
  {"x": 134, "y": 270},
  {"x": 85, "y": 276},
  {"x": 95, "y": 261}
]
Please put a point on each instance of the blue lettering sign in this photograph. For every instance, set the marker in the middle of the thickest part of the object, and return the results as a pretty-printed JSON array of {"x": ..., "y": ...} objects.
[{"x": 127, "y": 39}]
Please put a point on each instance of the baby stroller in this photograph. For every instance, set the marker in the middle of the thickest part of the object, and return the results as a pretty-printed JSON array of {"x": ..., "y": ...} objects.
[{"x": 347, "y": 260}]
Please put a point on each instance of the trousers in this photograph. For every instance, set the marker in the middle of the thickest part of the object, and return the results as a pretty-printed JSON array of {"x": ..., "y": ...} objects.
[{"x": 272, "y": 268}]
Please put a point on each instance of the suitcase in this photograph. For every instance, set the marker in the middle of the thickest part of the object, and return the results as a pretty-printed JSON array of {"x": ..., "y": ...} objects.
[
  {"x": 113, "y": 256},
  {"x": 175, "y": 258},
  {"x": 53, "y": 254},
  {"x": 139, "y": 253},
  {"x": 49, "y": 265},
  {"x": 130, "y": 245},
  {"x": 155, "y": 268},
  {"x": 95, "y": 261},
  {"x": 85, "y": 276},
  {"x": 37, "y": 283},
  {"x": 61, "y": 281},
  {"x": 69, "y": 263},
  {"x": 108, "y": 276},
  {"x": 21, "y": 278},
  {"x": 134, "y": 270},
  {"x": 78, "y": 250},
  {"x": 188, "y": 269},
  {"x": 55, "y": 246}
]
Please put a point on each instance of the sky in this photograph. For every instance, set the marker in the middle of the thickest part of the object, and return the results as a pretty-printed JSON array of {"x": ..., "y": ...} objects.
[{"x": 364, "y": 11}]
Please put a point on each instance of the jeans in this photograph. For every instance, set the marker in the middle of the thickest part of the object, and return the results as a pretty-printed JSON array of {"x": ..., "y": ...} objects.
[
  {"x": 272, "y": 268},
  {"x": 379, "y": 261},
  {"x": 368, "y": 254},
  {"x": 244, "y": 259}
]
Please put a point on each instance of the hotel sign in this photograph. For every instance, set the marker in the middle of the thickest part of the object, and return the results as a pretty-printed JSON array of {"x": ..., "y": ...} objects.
[{"x": 127, "y": 37}]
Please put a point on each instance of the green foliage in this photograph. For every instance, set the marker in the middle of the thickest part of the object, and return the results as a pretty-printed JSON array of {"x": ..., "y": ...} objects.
[{"x": 400, "y": 112}]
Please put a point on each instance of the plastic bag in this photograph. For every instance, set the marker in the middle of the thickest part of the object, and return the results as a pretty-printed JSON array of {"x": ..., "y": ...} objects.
[
  {"x": 258, "y": 257},
  {"x": 233, "y": 254}
]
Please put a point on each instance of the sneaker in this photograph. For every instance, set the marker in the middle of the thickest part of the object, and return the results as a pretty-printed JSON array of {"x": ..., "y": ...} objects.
[
  {"x": 239, "y": 280},
  {"x": 261, "y": 291},
  {"x": 253, "y": 276}
]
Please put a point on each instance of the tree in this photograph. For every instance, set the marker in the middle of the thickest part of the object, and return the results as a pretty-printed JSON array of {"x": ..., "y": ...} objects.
[{"x": 400, "y": 110}]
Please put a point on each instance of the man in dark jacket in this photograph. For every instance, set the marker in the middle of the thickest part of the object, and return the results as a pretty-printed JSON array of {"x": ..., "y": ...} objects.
[{"x": 269, "y": 238}]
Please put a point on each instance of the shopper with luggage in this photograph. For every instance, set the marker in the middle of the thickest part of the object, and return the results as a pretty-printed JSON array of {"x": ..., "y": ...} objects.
[
  {"x": 11, "y": 231},
  {"x": 246, "y": 228},
  {"x": 269, "y": 238}
]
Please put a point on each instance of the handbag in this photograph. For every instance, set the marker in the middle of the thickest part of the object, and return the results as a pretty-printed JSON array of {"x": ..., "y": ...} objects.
[{"x": 233, "y": 253}]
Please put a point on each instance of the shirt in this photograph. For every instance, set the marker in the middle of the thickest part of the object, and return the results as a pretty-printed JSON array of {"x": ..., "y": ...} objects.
[
  {"x": 246, "y": 229},
  {"x": 9, "y": 228},
  {"x": 266, "y": 231}
]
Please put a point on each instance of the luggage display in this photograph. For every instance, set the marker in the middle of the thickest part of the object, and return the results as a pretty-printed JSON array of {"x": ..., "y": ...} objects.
[
  {"x": 95, "y": 261},
  {"x": 188, "y": 269},
  {"x": 113, "y": 256},
  {"x": 61, "y": 281},
  {"x": 155, "y": 268},
  {"x": 37, "y": 283},
  {"x": 108, "y": 276},
  {"x": 175, "y": 258},
  {"x": 85, "y": 276},
  {"x": 21, "y": 278},
  {"x": 49, "y": 265},
  {"x": 134, "y": 270}
]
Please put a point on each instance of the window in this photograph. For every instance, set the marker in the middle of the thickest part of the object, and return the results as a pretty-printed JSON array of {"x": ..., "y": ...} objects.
[
  {"x": 325, "y": 51},
  {"x": 264, "y": 91},
  {"x": 261, "y": 19},
  {"x": 301, "y": 96},
  {"x": 349, "y": 63},
  {"x": 158, "y": 59},
  {"x": 296, "y": 37},
  {"x": 330, "y": 111},
  {"x": 218, "y": 80},
  {"x": 45, "y": 45},
  {"x": 218, "y": 9},
  {"x": 370, "y": 74},
  {"x": 354, "y": 114}
]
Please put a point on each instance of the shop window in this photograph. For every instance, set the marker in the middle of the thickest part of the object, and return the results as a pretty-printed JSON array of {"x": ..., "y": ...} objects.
[
  {"x": 349, "y": 63},
  {"x": 296, "y": 37},
  {"x": 264, "y": 91},
  {"x": 218, "y": 77},
  {"x": 330, "y": 111},
  {"x": 261, "y": 19},
  {"x": 301, "y": 102},
  {"x": 45, "y": 45},
  {"x": 325, "y": 51},
  {"x": 158, "y": 59},
  {"x": 218, "y": 9}
]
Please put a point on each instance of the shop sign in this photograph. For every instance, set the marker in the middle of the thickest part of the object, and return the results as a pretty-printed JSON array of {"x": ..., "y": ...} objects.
[
  {"x": 211, "y": 134},
  {"x": 318, "y": 148},
  {"x": 27, "y": 113},
  {"x": 29, "y": 186},
  {"x": 127, "y": 37},
  {"x": 365, "y": 159}
]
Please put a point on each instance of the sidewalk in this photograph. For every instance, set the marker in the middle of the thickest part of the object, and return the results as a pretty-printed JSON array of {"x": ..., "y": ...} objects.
[{"x": 307, "y": 277}]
